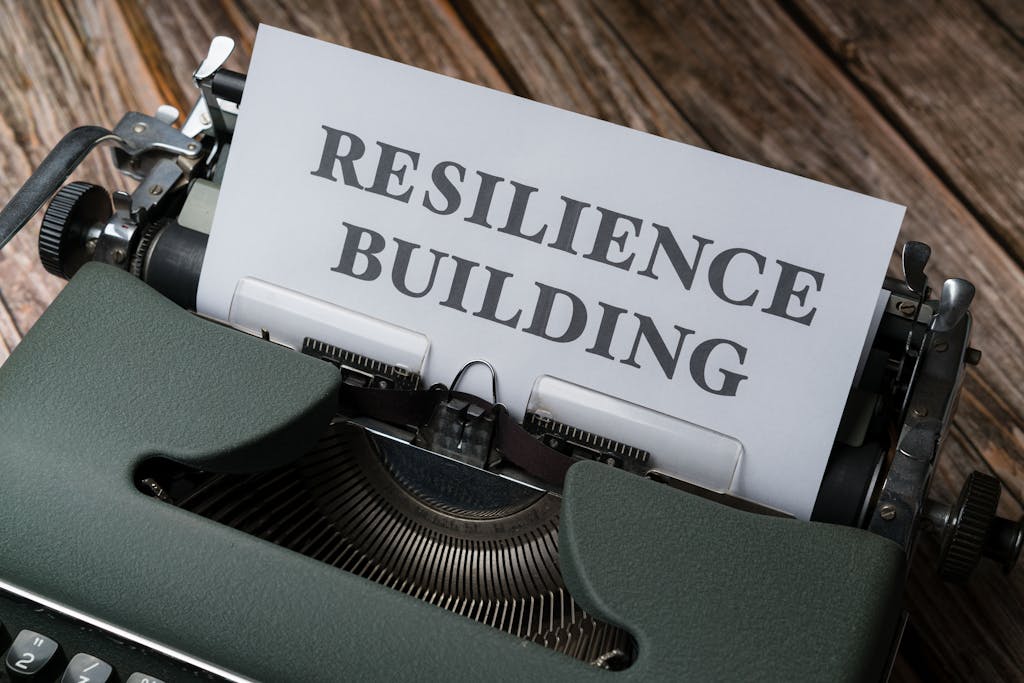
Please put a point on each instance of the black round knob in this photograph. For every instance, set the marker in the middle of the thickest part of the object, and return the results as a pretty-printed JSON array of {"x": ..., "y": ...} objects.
[
  {"x": 967, "y": 527},
  {"x": 65, "y": 242},
  {"x": 1005, "y": 541}
]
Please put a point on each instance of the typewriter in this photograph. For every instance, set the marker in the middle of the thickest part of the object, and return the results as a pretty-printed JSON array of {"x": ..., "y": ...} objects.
[{"x": 182, "y": 499}]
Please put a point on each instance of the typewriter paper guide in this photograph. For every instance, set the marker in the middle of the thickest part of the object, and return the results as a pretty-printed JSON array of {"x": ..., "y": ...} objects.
[{"x": 511, "y": 231}]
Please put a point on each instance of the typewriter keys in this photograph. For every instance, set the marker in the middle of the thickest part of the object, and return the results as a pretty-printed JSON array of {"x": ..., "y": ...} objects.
[{"x": 462, "y": 539}]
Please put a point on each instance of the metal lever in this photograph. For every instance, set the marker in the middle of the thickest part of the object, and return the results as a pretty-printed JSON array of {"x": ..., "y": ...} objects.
[
  {"x": 221, "y": 48},
  {"x": 208, "y": 112},
  {"x": 51, "y": 174},
  {"x": 915, "y": 258},
  {"x": 956, "y": 298}
]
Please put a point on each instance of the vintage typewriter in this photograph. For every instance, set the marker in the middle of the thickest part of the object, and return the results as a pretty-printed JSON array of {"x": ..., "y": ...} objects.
[{"x": 184, "y": 499}]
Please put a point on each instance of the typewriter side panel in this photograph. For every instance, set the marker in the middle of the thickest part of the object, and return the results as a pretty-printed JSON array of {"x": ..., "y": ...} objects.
[
  {"x": 723, "y": 594},
  {"x": 115, "y": 368}
]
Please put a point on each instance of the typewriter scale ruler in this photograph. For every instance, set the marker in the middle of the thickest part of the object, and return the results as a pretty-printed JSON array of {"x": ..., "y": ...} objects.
[{"x": 456, "y": 537}]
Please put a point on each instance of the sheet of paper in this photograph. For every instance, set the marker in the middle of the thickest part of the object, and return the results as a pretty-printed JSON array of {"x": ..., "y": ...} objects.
[{"x": 730, "y": 295}]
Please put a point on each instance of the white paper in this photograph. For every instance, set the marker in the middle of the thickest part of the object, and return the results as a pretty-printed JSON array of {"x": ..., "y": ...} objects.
[{"x": 278, "y": 221}]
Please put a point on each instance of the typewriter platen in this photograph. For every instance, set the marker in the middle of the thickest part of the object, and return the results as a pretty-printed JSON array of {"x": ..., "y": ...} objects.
[{"x": 419, "y": 531}]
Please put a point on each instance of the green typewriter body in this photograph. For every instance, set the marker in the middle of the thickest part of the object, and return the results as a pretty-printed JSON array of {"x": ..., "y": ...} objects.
[{"x": 181, "y": 500}]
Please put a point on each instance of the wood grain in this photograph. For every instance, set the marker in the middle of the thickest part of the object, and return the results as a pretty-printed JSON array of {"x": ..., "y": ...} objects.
[
  {"x": 61, "y": 66},
  {"x": 562, "y": 54},
  {"x": 915, "y": 103},
  {"x": 1007, "y": 13},
  {"x": 951, "y": 78},
  {"x": 424, "y": 34}
]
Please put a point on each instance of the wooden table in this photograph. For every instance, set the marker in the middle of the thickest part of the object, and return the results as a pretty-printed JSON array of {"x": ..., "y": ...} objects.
[{"x": 921, "y": 103}]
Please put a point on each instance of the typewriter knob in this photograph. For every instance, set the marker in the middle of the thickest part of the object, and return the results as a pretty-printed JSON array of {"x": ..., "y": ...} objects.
[
  {"x": 76, "y": 215},
  {"x": 967, "y": 527}
]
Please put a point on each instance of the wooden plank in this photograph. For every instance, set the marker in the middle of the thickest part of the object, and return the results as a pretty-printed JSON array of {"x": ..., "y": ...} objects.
[
  {"x": 421, "y": 33},
  {"x": 566, "y": 54},
  {"x": 967, "y": 633},
  {"x": 1008, "y": 13},
  {"x": 753, "y": 86},
  {"x": 9, "y": 334},
  {"x": 61, "y": 66},
  {"x": 951, "y": 77},
  {"x": 562, "y": 54}
]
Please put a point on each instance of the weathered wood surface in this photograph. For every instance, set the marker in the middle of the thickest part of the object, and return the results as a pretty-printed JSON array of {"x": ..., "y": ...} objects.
[
  {"x": 1007, "y": 13},
  {"x": 919, "y": 103},
  {"x": 952, "y": 82},
  {"x": 59, "y": 68}
]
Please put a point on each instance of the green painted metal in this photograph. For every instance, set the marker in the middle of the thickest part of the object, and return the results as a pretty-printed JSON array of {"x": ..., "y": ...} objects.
[{"x": 113, "y": 373}]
